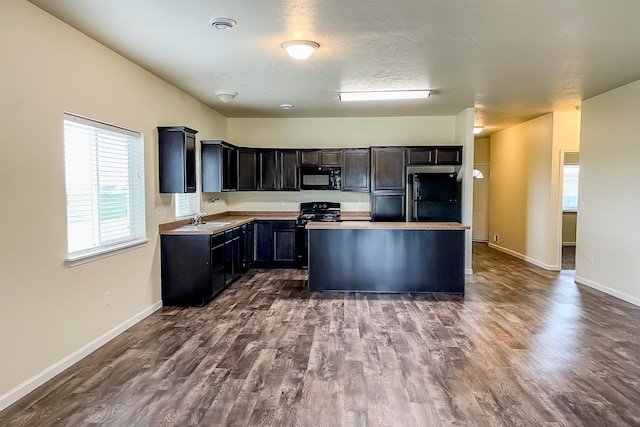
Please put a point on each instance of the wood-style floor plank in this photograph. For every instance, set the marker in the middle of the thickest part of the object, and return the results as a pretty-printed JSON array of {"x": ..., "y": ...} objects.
[{"x": 522, "y": 347}]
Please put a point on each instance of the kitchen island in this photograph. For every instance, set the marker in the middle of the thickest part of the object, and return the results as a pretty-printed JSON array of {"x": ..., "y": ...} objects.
[{"x": 360, "y": 256}]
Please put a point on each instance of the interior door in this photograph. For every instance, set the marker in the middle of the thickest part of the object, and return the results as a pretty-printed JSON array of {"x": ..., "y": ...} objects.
[{"x": 480, "y": 229}]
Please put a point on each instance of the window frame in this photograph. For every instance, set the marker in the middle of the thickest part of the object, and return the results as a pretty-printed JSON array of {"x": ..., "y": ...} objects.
[
  {"x": 101, "y": 246},
  {"x": 564, "y": 185}
]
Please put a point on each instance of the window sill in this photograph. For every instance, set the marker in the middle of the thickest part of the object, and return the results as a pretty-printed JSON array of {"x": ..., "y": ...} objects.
[{"x": 94, "y": 255}]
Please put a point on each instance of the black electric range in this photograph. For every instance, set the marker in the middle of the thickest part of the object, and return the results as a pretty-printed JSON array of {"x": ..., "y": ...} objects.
[{"x": 312, "y": 212}]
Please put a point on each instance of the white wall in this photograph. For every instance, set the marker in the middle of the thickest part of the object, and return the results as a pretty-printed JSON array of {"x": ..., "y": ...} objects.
[
  {"x": 47, "y": 311},
  {"x": 339, "y": 132},
  {"x": 608, "y": 227},
  {"x": 464, "y": 137},
  {"x": 525, "y": 187}
]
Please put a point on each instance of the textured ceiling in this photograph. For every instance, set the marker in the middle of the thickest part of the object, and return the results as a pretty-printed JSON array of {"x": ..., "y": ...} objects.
[{"x": 510, "y": 60}]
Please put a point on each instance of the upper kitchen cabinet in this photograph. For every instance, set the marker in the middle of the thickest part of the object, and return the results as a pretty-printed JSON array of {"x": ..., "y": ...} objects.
[
  {"x": 388, "y": 168},
  {"x": 267, "y": 170},
  {"x": 355, "y": 170},
  {"x": 445, "y": 155},
  {"x": 247, "y": 180},
  {"x": 288, "y": 168},
  {"x": 278, "y": 170},
  {"x": 219, "y": 166},
  {"x": 320, "y": 157},
  {"x": 177, "y": 159}
]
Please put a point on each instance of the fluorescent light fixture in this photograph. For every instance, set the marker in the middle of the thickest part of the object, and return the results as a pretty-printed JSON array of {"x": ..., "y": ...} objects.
[
  {"x": 300, "y": 49},
  {"x": 477, "y": 130},
  {"x": 384, "y": 95}
]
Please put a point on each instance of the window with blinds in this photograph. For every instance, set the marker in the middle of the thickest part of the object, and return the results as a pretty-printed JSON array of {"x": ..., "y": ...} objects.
[
  {"x": 187, "y": 204},
  {"x": 570, "y": 175},
  {"x": 104, "y": 167}
]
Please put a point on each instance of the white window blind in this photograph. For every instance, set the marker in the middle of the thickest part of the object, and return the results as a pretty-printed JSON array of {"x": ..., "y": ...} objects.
[
  {"x": 187, "y": 204},
  {"x": 570, "y": 175},
  {"x": 104, "y": 168}
]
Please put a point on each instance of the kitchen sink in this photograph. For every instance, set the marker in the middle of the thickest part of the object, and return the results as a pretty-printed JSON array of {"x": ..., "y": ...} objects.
[{"x": 203, "y": 226}]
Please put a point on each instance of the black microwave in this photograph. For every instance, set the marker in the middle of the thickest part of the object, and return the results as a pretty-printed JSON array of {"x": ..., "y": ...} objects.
[{"x": 320, "y": 178}]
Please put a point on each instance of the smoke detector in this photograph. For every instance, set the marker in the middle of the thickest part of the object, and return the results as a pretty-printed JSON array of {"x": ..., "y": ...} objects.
[{"x": 222, "y": 23}]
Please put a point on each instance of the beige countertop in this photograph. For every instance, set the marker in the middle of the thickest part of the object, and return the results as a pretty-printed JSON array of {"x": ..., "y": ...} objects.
[
  {"x": 215, "y": 223},
  {"x": 351, "y": 225}
]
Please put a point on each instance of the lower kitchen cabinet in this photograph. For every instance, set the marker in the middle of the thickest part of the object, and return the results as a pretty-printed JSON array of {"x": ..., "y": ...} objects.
[
  {"x": 275, "y": 244},
  {"x": 192, "y": 269},
  {"x": 195, "y": 268}
]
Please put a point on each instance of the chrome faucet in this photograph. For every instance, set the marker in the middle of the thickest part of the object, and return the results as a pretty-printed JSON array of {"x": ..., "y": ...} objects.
[{"x": 197, "y": 219}]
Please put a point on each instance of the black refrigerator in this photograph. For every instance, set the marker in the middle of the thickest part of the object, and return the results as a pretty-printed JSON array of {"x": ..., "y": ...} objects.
[{"x": 436, "y": 197}]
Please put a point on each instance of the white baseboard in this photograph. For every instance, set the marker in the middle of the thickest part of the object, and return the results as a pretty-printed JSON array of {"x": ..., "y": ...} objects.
[
  {"x": 37, "y": 380},
  {"x": 468, "y": 271},
  {"x": 607, "y": 290},
  {"x": 525, "y": 258}
]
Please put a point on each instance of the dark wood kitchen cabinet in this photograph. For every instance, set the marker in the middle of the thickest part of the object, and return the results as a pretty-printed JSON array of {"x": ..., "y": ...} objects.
[
  {"x": 247, "y": 180},
  {"x": 320, "y": 157},
  {"x": 219, "y": 163},
  {"x": 440, "y": 155},
  {"x": 192, "y": 268},
  {"x": 355, "y": 170},
  {"x": 275, "y": 244},
  {"x": 278, "y": 170},
  {"x": 388, "y": 206},
  {"x": 246, "y": 247},
  {"x": 388, "y": 169},
  {"x": 288, "y": 170},
  {"x": 177, "y": 159},
  {"x": 233, "y": 253}
]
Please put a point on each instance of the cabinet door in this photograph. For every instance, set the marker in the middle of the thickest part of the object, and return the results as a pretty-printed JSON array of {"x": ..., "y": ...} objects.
[
  {"x": 177, "y": 159},
  {"x": 330, "y": 157},
  {"x": 247, "y": 170},
  {"x": 283, "y": 239},
  {"x": 185, "y": 270},
  {"x": 448, "y": 156},
  {"x": 355, "y": 170},
  {"x": 229, "y": 168},
  {"x": 421, "y": 156},
  {"x": 388, "y": 206},
  {"x": 309, "y": 157},
  {"x": 268, "y": 170},
  {"x": 218, "y": 261},
  {"x": 263, "y": 249},
  {"x": 388, "y": 168},
  {"x": 288, "y": 167}
]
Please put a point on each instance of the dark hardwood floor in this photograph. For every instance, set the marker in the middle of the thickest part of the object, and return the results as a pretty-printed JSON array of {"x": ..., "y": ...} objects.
[{"x": 523, "y": 347}]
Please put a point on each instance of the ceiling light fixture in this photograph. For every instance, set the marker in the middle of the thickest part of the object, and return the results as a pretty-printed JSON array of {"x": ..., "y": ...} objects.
[
  {"x": 384, "y": 95},
  {"x": 300, "y": 49},
  {"x": 286, "y": 106},
  {"x": 222, "y": 23},
  {"x": 477, "y": 130},
  {"x": 226, "y": 97}
]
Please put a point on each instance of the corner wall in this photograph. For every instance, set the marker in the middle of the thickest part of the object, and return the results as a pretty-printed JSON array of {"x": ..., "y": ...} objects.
[
  {"x": 525, "y": 209},
  {"x": 51, "y": 315},
  {"x": 608, "y": 231}
]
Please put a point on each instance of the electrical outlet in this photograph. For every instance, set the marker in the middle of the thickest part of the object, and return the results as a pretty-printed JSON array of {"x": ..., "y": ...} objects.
[
  {"x": 281, "y": 202},
  {"x": 496, "y": 237},
  {"x": 107, "y": 298},
  {"x": 591, "y": 258},
  {"x": 158, "y": 211},
  {"x": 360, "y": 202}
]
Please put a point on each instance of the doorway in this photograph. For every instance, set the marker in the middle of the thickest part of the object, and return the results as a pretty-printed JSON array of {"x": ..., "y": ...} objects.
[{"x": 569, "y": 179}]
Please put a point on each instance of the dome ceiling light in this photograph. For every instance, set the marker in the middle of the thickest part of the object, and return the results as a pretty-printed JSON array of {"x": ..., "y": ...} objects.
[
  {"x": 222, "y": 23},
  {"x": 477, "y": 130},
  {"x": 226, "y": 97},
  {"x": 300, "y": 49},
  {"x": 286, "y": 106}
]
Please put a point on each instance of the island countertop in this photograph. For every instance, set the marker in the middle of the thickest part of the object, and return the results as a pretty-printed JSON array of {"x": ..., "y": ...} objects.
[{"x": 350, "y": 225}]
